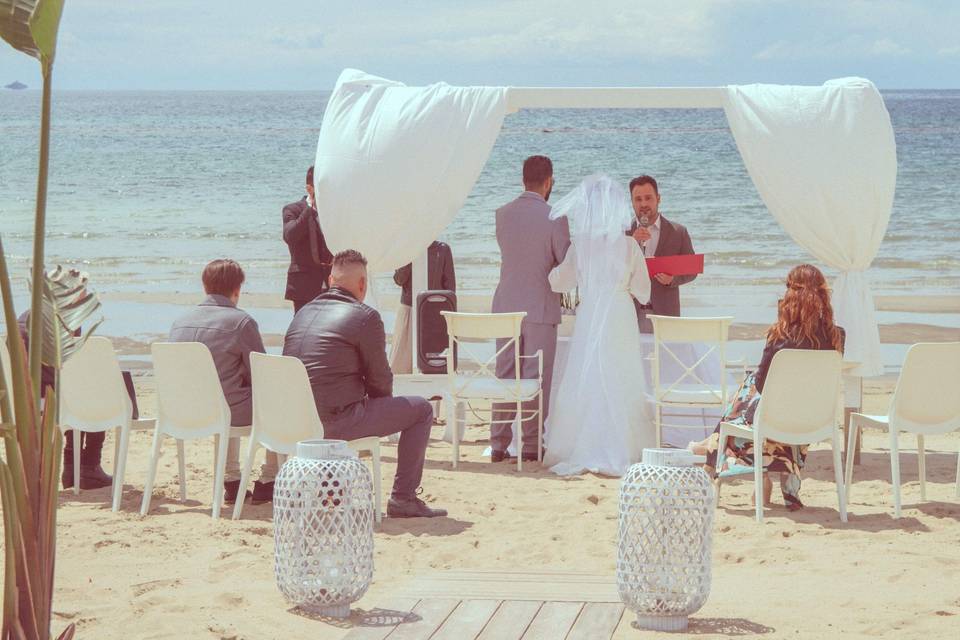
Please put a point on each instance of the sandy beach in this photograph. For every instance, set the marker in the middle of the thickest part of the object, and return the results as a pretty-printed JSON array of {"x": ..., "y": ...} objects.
[{"x": 179, "y": 574}]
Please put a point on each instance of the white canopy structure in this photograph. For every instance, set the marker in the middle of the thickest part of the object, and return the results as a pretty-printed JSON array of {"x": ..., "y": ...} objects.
[{"x": 823, "y": 160}]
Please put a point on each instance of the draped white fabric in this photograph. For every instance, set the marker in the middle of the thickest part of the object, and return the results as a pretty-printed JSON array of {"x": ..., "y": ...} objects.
[
  {"x": 824, "y": 162},
  {"x": 395, "y": 163}
]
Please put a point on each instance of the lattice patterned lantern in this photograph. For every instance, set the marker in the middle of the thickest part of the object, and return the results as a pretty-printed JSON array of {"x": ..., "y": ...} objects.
[
  {"x": 666, "y": 524},
  {"x": 323, "y": 527}
]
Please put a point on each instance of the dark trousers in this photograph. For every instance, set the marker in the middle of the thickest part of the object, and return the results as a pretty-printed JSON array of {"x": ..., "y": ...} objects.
[
  {"x": 91, "y": 445},
  {"x": 412, "y": 416}
]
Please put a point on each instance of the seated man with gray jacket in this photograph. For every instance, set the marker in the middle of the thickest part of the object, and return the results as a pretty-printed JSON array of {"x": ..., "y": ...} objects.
[
  {"x": 231, "y": 334},
  {"x": 342, "y": 344}
]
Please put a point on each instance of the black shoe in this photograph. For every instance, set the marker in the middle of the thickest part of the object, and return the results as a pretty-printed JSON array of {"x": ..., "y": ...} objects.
[
  {"x": 500, "y": 456},
  {"x": 230, "y": 490},
  {"x": 262, "y": 492},
  {"x": 92, "y": 477},
  {"x": 412, "y": 508}
]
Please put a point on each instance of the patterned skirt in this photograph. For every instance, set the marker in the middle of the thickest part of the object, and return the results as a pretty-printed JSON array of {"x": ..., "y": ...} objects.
[{"x": 783, "y": 458}]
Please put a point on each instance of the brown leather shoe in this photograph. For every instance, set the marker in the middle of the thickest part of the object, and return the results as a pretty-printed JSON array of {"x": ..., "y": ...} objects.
[
  {"x": 500, "y": 456},
  {"x": 230, "y": 490},
  {"x": 262, "y": 492},
  {"x": 412, "y": 508},
  {"x": 92, "y": 477}
]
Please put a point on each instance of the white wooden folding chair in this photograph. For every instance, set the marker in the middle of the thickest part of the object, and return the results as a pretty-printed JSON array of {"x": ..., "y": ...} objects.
[
  {"x": 190, "y": 405},
  {"x": 7, "y": 371},
  {"x": 284, "y": 413},
  {"x": 926, "y": 401},
  {"x": 483, "y": 383},
  {"x": 689, "y": 390},
  {"x": 798, "y": 406}
]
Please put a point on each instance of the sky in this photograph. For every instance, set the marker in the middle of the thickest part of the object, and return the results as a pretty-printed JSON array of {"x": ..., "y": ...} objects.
[{"x": 304, "y": 44}]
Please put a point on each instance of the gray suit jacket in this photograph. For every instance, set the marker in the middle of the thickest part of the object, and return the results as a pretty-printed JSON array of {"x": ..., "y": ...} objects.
[
  {"x": 531, "y": 245},
  {"x": 231, "y": 334},
  {"x": 665, "y": 299}
]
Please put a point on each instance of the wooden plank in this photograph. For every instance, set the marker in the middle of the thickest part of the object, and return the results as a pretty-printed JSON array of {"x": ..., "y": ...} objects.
[
  {"x": 431, "y": 615},
  {"x": 379, "y": 622},
  {"x": 546, "y": 586},
  {"x": 511, "y": 620},
  {"x": 597, "y": 620},
  {"x": 467, "y": 620},
  {"x": 553, "y": 621}
]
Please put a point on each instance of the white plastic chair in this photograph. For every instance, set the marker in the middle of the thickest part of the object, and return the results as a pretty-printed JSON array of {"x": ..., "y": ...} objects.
[
  {"x": 190, "y": 405},
  {"x": 689, "y": 390},
  {"x": 926, "y": 401},
  {"x": 5, "y": 363},
  {"x": 798, "y": 406},
  {"x": 93, "y": 398},
  {"x": 284, "y": 413},
  {"x": 483, "y": 383}
]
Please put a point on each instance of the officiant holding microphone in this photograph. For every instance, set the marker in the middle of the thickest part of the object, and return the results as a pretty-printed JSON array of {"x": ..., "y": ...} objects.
[
  {"x": 310, "y": 258},
  {"x": 658, "y": 237}
]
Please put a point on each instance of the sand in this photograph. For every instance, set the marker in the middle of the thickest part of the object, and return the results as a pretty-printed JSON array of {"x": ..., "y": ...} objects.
[{"x": 179, "y": 574}]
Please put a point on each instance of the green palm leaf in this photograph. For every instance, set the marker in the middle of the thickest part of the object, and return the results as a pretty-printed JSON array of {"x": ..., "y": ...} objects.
[{"x": 31, "y": 26}]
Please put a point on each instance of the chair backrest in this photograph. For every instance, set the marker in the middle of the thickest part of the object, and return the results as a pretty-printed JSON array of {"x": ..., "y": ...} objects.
[
  {"x": 92, "y": 394},
  {"x": 284, "y": 411},
  {"x": 5, "y": 362},
  {"x": 669, "y": 331},
  {"x": 190, "y": 399},
  {"x": 481, "y": 326},
  {"x": 801, "y": 395},
  {"x": 927, "y": 396}
]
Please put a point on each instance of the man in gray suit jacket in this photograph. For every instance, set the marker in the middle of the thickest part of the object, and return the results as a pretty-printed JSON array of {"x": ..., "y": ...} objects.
[
  {"x": 657, "y": 237},
  {"x": 531, "y": 245}
]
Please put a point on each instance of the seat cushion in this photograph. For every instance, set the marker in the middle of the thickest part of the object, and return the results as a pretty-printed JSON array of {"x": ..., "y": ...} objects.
[
  {"x": 691, "y": 394},
  {"x": 476, "y": 387}
]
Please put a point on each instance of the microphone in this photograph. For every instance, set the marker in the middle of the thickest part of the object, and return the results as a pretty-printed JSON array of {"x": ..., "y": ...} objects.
[{"x": 644, "y": 222}]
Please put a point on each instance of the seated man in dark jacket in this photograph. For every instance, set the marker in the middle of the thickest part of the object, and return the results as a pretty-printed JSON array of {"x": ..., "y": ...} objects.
[{"x": 342, "y": 343}]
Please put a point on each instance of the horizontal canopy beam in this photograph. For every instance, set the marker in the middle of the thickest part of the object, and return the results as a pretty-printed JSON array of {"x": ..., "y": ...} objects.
[{"x": 614, "y": 98}]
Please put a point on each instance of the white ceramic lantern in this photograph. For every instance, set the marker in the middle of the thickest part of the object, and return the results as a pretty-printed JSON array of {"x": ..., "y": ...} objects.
[
  {"x": 323, "y": 527},
  {"x": 666, "y": 524}
]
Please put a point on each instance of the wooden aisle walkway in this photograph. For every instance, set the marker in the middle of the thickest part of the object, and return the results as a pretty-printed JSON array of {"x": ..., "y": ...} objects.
[{"x": 487, "y": 605}]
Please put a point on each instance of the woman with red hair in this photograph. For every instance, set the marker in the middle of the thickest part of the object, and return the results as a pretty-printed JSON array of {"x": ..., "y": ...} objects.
[{"x": 804, "y": 321}]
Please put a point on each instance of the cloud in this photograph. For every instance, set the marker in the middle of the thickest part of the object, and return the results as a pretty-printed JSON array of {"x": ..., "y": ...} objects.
[{"x": 855, "y": 47}]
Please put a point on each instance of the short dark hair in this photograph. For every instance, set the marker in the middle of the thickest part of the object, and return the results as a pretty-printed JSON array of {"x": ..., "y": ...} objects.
[
  {"x": 349, "y": 257},
  {"x": 310, "y": 175},
  {"x": 222, "y": 277},
  {"x": 536, "y": 170},
  {"x": 639, "y": 180}
]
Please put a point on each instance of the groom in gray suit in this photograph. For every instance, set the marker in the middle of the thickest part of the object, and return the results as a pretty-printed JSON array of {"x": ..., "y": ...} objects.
[{"x": 531, "y": 245}]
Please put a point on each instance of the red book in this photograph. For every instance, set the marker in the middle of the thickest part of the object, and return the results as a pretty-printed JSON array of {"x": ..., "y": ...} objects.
[{"x": 687, "y": 265}]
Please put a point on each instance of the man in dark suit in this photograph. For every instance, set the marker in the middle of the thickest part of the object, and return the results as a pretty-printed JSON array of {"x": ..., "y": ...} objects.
[
  {"x": 657, "y": 237},
  {"x": 309, "y": 256}
]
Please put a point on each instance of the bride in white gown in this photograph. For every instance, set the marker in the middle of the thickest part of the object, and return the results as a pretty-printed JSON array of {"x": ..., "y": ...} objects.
[{"x": 598, "y": 421}]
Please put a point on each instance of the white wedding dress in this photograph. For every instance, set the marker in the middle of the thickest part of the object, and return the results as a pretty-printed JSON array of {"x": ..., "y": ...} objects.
[{"x": 599, "y": 420}]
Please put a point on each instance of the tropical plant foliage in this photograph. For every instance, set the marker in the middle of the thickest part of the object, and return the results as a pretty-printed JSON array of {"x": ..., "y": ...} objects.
[{"x": 30, "y": 473}]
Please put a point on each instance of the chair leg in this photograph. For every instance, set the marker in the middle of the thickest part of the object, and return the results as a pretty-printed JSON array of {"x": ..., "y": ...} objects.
[
  {"x": 222, "y": 440},
  {"x": 151, "y": 472},
  {"x": 852, "y": 430},
  {"x": 244, "y": 474},
  {"x": 895, "y": 471},
  {"x": 958, "y": 475},
  {"x": 540, "y": 428},
  {"x": 77, "y": 439},
  {"x": 182, "y": 465},
  {"x": 454, "y": 429},
  {"x": 922, "y": 465},
  {"x": 758, "y": 475},
  {"x": 377, "y": 485},
  {"x": 658, "y": 419},
  {"x": 838, "y": 473},
  {"x": 519, "y": 423},
  {"x": 116, "y": 446},
  {"x": 119, "y": 466},
  {"x": 716, "y": 487}
]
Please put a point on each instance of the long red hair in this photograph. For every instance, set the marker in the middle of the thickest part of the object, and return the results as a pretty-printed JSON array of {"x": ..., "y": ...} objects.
[{"x": 804, "y": 313}]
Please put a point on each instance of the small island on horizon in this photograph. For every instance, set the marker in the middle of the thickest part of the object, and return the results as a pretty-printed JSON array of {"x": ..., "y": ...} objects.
[{"x": 16, "y": 85}]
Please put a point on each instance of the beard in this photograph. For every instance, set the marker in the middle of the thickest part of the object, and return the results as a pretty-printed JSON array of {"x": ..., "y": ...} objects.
[{"x": 546, "y": 196}]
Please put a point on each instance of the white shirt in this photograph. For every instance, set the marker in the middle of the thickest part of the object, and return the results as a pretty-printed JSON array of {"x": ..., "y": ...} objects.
[{"x": 650, "y": 248}]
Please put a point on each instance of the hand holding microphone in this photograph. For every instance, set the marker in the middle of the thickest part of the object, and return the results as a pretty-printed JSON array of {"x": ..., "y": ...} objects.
[{"x": 642, "y": 233}]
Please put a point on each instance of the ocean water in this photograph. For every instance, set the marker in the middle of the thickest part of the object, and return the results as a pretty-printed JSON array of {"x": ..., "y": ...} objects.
[{"x": 146, "y": 187}]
